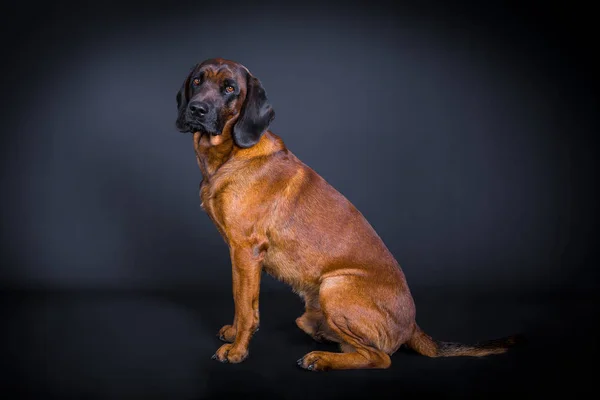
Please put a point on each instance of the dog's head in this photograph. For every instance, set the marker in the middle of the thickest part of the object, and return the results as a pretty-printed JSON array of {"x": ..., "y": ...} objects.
[{"x": 221, "y": 97}]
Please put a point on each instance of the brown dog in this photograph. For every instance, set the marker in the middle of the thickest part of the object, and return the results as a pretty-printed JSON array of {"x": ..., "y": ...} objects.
[{"x": 276, "y": 213}]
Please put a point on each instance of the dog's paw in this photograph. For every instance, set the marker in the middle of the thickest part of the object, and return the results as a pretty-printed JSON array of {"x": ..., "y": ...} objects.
[
  {"x": 227, "y": 334},
  {"x": 314, "y": 361},
  {"x": 228, "y": 353}
]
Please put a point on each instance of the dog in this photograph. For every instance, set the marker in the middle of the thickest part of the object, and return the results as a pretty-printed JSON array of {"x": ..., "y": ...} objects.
[{"x": 278, "y": 215}]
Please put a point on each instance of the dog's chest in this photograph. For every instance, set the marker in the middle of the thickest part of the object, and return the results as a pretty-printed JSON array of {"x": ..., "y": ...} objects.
[
  {"x": 231, "y": 218},
  {"x": 211, "y": 201},
  {"x": 223, "y": 201}
]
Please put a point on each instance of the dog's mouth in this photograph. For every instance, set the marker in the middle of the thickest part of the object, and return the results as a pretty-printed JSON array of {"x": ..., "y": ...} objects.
[
  {"x": 207, "y": 125},
  {"x": 195, "y": 127},
  {"x": 201, "y": 130}
]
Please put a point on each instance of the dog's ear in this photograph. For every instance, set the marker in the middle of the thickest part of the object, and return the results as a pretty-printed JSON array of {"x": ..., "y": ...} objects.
[
  {"x": 182, "y": 100},
  {"x": 255, "y": 116}
]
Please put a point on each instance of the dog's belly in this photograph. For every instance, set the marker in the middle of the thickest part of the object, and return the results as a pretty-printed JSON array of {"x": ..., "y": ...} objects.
[{"x": 291, "y": 270}]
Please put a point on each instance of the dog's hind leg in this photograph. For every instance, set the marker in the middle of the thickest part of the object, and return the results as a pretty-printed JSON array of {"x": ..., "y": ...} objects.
[
  {"x": 355, "y": 355},
  {"x": 368, "y": 335},
  {"x": 312, "y": 322}
]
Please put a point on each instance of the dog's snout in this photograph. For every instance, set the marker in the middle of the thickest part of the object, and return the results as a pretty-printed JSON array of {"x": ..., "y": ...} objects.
[{"x": 199, "y": 107}]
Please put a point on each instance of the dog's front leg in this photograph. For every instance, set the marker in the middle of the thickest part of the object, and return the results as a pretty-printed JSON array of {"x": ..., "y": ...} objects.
[{"x": 246, "y": 265}]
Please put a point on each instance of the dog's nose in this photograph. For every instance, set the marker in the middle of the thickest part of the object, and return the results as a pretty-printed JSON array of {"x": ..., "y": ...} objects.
[{"x": 199, "y": 107}]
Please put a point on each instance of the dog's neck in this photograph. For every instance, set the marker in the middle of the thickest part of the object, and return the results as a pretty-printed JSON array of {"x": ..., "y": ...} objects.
[{"x": 212, "y": 152}]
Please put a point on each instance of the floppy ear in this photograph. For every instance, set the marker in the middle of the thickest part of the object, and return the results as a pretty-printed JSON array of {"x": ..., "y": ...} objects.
[
  {"x": 182, "y": 100},
  {"x": 255, "y": 117}
]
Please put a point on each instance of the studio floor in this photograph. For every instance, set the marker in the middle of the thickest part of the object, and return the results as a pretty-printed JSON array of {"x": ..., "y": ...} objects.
[{"x": 158, "y": 345}]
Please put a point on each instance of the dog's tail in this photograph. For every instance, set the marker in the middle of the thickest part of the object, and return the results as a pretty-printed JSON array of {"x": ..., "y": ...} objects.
[{"x": 425, "y": 345}]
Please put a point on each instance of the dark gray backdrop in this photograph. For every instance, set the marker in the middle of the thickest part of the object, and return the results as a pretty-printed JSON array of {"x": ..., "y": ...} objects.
[{"x": 463, "y": 134}]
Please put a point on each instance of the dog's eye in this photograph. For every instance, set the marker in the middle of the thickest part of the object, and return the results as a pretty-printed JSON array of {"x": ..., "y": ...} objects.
[
  {"x": 229, "y": 89},
  {"x": 196, "y": 82}
]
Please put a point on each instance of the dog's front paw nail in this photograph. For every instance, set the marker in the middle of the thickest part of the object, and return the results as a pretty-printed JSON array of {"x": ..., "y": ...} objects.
[{"x": 215, "y": 357}]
